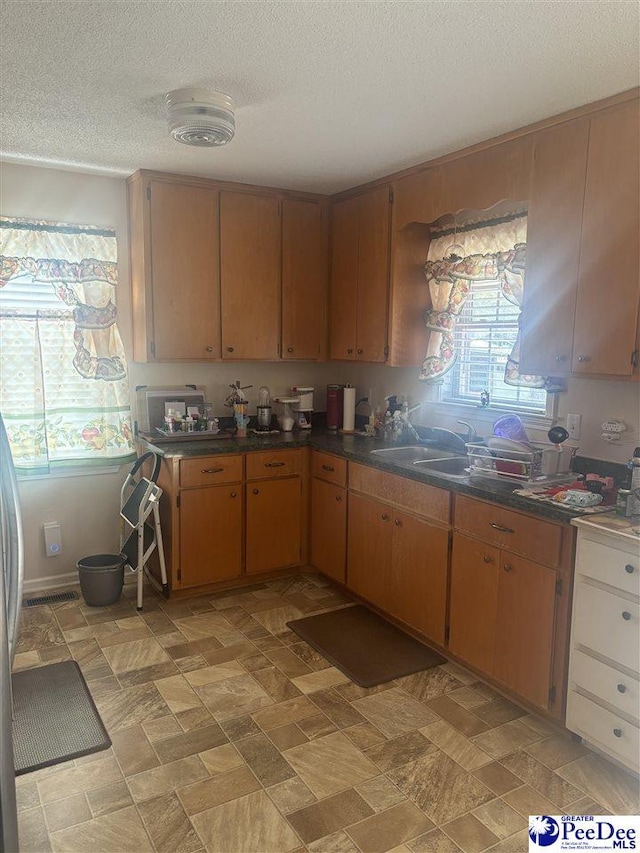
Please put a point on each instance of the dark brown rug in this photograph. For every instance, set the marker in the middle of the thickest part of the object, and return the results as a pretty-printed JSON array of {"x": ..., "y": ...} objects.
[{"x": 367, "y": 648}]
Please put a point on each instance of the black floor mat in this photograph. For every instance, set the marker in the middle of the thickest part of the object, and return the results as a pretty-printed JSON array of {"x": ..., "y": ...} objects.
[{"x": 54, "y": 717}]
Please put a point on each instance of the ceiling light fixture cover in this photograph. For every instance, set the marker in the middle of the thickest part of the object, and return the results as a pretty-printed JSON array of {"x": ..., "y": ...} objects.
[{"x": 201, "y": 118}]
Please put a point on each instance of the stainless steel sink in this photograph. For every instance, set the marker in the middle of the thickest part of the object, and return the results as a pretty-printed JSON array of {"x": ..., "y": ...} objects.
[
  {"x": 412, "y": 453},
  {"x": 453, "y": 466}
]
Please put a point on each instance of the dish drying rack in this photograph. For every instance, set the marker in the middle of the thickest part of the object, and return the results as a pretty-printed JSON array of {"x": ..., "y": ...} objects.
[{"x": 545, "y": 462}]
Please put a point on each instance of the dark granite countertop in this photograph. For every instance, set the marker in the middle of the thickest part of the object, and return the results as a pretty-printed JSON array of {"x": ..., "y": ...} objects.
[{"x": 358, "y": 449}]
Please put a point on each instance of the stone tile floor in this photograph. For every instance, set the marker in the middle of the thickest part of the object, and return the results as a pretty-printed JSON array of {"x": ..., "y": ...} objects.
[{"x": 231, "y": 735}]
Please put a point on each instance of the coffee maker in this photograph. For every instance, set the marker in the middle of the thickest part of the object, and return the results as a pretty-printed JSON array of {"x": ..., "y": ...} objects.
[{"x": 304, "y": 406}]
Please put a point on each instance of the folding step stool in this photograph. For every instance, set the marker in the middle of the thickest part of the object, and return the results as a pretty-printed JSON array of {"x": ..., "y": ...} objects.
[{"x": 139, "y": 537}]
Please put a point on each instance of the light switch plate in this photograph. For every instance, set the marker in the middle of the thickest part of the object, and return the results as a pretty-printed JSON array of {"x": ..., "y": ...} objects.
[{"x": 574, "y": 424}]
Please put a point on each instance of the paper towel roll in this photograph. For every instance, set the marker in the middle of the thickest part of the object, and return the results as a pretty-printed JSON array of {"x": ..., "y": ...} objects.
[{"x": 349, "y": 410}]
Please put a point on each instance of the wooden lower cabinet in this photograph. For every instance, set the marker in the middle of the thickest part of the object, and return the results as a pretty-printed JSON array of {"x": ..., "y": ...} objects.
[
  {"x": 502, "y": 616},
  {"x": 474, "y": 601},
  {"x": 419, "y": 570},
  {"x": 329, "y": 529},
  {"x": 399, "y": 563},
  {"x": 210, "y": 534},
  {"x": 274, "y": 511}
]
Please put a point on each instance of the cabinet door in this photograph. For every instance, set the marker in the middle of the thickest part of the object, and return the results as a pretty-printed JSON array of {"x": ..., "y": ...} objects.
[
  {"x": 370, "y": 541},
  {"x": 304, "y": 279},
  {"x": 607, "y": 306},
  {"x": 250, "y": 275},
  {"x": 419, "y": 575},
  {"x": 210, "y": 534},
  {"x": 554, "y": 225},
  {"x": 524, "y": 627},
  {"x": 474, "y": 601},
  {"x": 185, "y": 271},
  {"x": 373, "y": 276},
  {"x": 273, "y": 524},
  {"x": 329, "y": 529},
  {"x": 344, "y": 279}
]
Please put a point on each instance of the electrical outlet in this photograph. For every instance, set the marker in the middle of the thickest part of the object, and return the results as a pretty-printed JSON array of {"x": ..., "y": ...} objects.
[
  {"x": 574, "y": 423},
  {"x": 52, "y": 538}
]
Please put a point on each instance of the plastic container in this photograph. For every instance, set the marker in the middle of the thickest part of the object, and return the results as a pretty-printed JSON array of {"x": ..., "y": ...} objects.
[{"x": 101, "y": 578}]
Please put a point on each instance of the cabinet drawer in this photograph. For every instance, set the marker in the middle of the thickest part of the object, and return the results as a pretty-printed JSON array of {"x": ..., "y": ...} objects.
[
  {"x": 539, "y": 540},
  {"x": 613, "y": 566},
  {"x": 205, "y": 470},
  {"x": 328, "y": 467},
  {"x": 606, "y": 623},
  {"x": 418, "y": 498},
  {"x": 605, "y": 682},
  {"x": 611, "y": 733},
  {"x": 273, "y": 463}
]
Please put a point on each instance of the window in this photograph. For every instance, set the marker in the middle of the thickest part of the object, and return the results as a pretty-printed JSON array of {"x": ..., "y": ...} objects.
[
  {"x": 484, "y": 337},
  {"x": 64, "y": 394},
  {"x": 476, "y": 274}
]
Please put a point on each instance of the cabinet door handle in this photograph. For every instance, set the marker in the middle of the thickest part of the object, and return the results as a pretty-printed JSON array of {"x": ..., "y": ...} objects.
[
  {"x": 561, "y": 358},
  {"x": 229, "y": 349},
  {"x": 274, "y": 464},
  {"x": 209, "y": 349},
  {"x": 584, "y": 358},
  {"x": 360, "y": 351},
  {"x": 289, "y": 349},
  {"x": 256, "y": 491},
  {"x": 626, "y": 615},
  {"x": 507, "y": 567},
  {"x": 629, "y": 569},
  {"x": 211, "y": 470},
  {"x": 233, "y": 494},
  {"x": 487, "y": 559},
  {"x": 328, "y": 468},
  {"x": 502, "y": 529},
  {"x": 397, "y": 522},
  {"x": 384, "y": 516},
  {"x": 338, "y": 498},
  {"x": 349, "y": 351},
  {"x": 622, "y": 688},
  {"x": 617, "y": 732}
]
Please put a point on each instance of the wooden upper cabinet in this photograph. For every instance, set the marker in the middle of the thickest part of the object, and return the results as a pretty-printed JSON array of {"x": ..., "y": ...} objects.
[
  {"x": 250, "y": 247},
  {"x": 481, "y": 180},
  {"x": 554, "y": 226},
  {"x": 359, "y": 277},
  {"x": 304, "y": 279},
  {"x": 609, "y": 290},
  {"x": 345, "y": 230},
  {"x": 174, "y": 270}
]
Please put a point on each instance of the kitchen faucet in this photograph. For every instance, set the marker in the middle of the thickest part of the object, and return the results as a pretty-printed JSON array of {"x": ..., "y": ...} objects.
[{"x": 472, "y": 435}]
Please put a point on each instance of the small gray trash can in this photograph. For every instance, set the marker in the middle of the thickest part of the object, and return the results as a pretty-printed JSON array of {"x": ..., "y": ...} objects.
[{"x": 101, "y": 578}]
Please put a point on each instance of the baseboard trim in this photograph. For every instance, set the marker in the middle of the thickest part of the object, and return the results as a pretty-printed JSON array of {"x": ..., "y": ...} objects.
[{"x": 51, "y": 582}]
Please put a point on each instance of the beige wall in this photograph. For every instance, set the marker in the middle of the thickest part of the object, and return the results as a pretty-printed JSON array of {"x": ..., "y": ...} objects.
[{"x": 87, "y": 506}]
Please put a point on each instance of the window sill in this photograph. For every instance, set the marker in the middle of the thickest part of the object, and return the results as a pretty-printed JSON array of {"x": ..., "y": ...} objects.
[{"x": 487, "y": 415}]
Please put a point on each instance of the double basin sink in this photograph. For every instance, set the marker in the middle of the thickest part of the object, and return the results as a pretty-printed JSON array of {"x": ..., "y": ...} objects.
[{"x": 433, "y": 459}]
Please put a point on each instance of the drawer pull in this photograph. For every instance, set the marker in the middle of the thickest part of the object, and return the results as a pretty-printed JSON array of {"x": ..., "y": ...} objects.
[
  {"x": 617, "y": 732},
  {"x": 289, "y": 349},
  {"x": 622, "y": 688},
  {"x": 209, "y": 349},
  {"x": 349, "y": 351},
  {"x": 561, "y": 358},
  {"x": 328, "y": 468},
  {"x": 384, "y": 516},
  {"x": 212, "y": 470},
  {"x": 487, "y": 559},
  {"x": 626, "y": 615},
  {"x": 584, "y": 358},
  {"x": 507, "y": 567},
  {"x": 274, "y": 464},
  {"x": 256, "y": 491},
  {"x": 502, "y": 529},
  {"x": 360, "y": 351},
  {"x": 629, "y": 569},
  {"x": 229, "y": 349}
]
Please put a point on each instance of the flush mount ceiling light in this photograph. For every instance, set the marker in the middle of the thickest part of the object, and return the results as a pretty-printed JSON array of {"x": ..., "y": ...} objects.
[{"x": 198, "y": 117}]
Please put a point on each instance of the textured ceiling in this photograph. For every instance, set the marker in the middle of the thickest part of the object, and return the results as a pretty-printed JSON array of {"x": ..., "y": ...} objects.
[{"x": 329, "y": 94}]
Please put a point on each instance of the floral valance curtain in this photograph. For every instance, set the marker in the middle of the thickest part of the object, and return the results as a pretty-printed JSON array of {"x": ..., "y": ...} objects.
[
  {"x": 454, "y": 263},
  {"x": 64, "y": 394}
]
